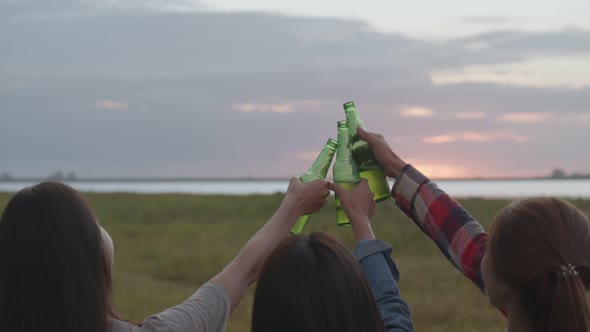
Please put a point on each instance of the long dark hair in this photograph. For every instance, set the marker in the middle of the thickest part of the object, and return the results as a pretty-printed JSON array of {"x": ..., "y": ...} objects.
[
  {"x": 313, "y": 284},
  {"x": 55, "y": 273},
  {"x": 531, "y": 240}
]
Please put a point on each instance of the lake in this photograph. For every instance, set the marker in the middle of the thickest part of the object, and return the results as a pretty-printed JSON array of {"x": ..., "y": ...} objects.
[{"x": 572, "y": 188}]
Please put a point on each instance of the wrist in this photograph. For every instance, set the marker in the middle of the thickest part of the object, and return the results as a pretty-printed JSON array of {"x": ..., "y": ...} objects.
[
  {"x": 361, "y": 228},
  {"x": 394, "y": 168},
  {"x": 290, "y": 207}
]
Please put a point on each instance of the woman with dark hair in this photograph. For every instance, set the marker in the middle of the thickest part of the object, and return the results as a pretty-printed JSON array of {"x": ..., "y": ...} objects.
[
  {"x": 312, "y": 283},
  {"x": 535, "y": 263},
  {"x": 56, "y": 265}
]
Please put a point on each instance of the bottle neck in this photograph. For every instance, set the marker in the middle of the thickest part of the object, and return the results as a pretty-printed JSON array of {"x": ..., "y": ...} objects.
[
  {"x": 321, "y": 166},
  {"x": 344, "y": 168},
  {"x": 343, "y": 143},
  {"x": 354, "y": 120}
]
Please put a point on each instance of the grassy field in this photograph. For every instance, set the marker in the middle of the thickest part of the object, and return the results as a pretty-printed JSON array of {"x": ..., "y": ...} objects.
[{"x": 168, "y": 245}]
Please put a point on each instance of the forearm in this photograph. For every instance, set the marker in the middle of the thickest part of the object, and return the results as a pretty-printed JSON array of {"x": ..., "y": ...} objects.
[
  {"x": 394, "y": 166},
  {"x": 245, "y": 268},
  {"x": 361, "y": 228},
  {"x": 460, "y": 238},
  {"x": 382, "y": 274}
]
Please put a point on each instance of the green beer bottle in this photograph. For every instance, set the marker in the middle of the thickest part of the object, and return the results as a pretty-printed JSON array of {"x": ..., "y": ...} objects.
[
  {"x": 318, "y": 170},
  {"x": 345, "y": 172},
  {"x": 363, "y": 157}
]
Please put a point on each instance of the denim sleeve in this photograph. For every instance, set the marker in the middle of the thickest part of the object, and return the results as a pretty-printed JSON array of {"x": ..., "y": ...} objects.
[{"x": 383, "y": 275}]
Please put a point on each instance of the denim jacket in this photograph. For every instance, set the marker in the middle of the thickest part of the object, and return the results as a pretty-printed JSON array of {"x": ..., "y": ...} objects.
[{"x": 383, "y": 275}]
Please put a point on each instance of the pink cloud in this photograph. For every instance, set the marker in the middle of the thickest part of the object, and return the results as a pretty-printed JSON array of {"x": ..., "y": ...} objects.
[
  {"x": 112, "y": 105},
  {"x": 476, "y": 137},
  {"x": 441, "y": 169},
  {"x": 440, "y": 139},
  {"x": 526, "y": 117},
  {"x": 560, "y": 118},
  {"x": 417, "y": 112},
  {"x": 278, "y": 107}
]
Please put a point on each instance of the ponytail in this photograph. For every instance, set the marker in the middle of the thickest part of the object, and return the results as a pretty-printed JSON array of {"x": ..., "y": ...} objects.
[
  {"x": 537, "y": 296},
  {"x": 569, "y": 310}
]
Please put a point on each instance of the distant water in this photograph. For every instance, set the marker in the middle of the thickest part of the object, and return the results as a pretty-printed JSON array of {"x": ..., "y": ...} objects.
[{"x": 573, "y": 188}]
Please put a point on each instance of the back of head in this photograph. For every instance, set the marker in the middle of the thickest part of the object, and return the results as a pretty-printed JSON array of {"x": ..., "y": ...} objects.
[
  {"x": 55, "y": 276},
  {"x": 541, "y": 246},
  {"x": 313, "y": 284}
]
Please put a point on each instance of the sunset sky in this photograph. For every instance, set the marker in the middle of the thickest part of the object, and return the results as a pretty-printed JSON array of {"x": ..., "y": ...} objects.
[{"x": 233, "y": 88}]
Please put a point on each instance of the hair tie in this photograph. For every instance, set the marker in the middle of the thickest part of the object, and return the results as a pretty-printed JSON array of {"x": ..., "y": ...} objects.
[{"x": 568, "y": 270}]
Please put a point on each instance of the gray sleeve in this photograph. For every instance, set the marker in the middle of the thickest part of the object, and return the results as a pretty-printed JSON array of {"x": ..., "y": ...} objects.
[{"x": 205, "y": 311}]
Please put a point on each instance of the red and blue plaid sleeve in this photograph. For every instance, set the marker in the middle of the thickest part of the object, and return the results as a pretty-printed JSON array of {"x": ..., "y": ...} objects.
[{"x": 460, "y": 238}]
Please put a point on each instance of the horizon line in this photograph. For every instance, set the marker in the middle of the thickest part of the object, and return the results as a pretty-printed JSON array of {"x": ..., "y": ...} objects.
[{"x": 266, "y": 179}]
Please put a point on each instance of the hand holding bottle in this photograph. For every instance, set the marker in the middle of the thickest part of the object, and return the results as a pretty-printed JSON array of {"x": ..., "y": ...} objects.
[
  {"x": 359, "y": 206},
  {"x": 318, "y": 170},
  {"x": 367, "y": 165},
  {"x": 306, "y": 198},
  {"x": 345, "y": 170},
  {"x": 392, "y": 164}
]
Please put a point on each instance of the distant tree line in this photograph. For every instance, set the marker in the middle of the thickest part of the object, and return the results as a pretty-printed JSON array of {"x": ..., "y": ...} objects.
[
  {"x": 559, "y": 173},
  {"x": 57, "y": 176},
  {"x": 60, "y": 176}
]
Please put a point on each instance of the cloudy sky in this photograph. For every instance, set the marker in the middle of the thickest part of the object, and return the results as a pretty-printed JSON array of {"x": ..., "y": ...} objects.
[{"x": 232, "y": 88}]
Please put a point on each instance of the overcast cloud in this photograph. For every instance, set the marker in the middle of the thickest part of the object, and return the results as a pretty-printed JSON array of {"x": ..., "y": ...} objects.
[{"x": 127, "y": 90}]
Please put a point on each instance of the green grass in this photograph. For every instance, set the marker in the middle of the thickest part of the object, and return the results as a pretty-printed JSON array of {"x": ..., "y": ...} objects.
[{"x": 166, "y": 246}]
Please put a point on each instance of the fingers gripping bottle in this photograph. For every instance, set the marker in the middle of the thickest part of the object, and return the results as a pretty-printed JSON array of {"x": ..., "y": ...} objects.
[
  {"x": 363, "y": 157},
  {"x": 318, "y": 170},
  {"x": 345, "y": 172}
]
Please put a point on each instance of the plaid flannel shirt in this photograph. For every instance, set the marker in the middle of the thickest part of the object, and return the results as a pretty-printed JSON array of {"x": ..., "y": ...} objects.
[{"x": 460, "y": 238}]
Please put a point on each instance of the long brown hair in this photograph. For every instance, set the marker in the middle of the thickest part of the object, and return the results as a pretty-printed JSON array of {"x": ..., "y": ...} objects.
[
  {"x": 55, "y": 273},
  {"x": 530, "y": 242},
  {"x": 313, "y": 284}
]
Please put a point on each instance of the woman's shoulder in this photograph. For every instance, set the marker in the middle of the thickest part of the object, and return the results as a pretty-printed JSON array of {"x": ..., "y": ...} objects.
[
  {"x": 121, "y": 326},
  {"x": 206, "y": 310}
]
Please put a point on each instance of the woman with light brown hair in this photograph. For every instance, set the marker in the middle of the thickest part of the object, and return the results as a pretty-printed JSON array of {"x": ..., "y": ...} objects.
[
  {"x": 535, "y": 263},
  {"x": 538, "y": 265}
]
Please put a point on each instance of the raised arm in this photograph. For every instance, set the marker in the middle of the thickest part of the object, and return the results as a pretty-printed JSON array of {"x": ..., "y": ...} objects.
[
  {"x": 460, "y": 238},
  {"x": 301, "y": 199},
  {"x": 208, "y": 309},
  {"x": 375, "y": 258}
]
